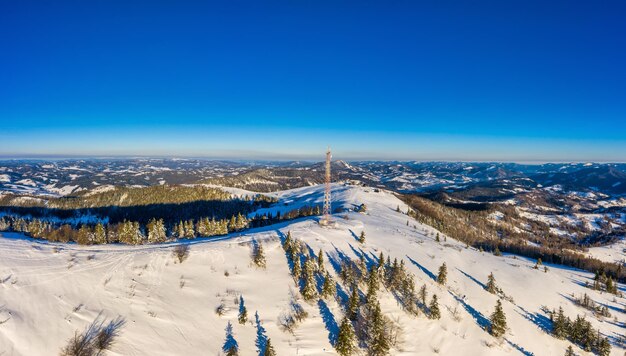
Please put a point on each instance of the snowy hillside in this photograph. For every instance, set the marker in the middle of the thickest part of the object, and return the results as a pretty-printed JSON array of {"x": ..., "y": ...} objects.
[{"x": 50, "y": 291}]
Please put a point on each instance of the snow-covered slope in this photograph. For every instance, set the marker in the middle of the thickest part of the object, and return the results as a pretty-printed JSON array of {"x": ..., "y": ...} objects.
[{"x": 48, "y": 291}]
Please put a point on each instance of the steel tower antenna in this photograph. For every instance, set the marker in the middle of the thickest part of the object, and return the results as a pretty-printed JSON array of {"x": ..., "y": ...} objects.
[{"x": 326, "y": 218}]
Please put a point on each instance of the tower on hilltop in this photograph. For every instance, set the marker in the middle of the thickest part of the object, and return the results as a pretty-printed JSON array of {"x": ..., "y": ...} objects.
[{"x": 326, "y": 219}]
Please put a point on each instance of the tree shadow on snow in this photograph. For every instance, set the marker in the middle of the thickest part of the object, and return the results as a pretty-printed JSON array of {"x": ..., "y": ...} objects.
[
  {"x": 478, "y": 316},
  {"x": 354, "y": 235},
  {"x": 423, "y": 269},
  {"x": 519, "y": 348},
  {"x": 473, "y": 279},
  {"x": 329, "y": 322},
  {"x": 543, "y": 322},
  {"x": 261, "y": 335}
]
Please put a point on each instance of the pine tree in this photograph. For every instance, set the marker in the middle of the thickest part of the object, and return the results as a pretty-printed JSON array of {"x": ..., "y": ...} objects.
[
  {"x": 259, "y": 256},
  {"x": 100, "y": 235},
  {"x": 604, "y": 346},
  {"x": 497, "y": 252},
  {"x": 362, "y": 237},
  {"x": 328, "y": 288},
  {"x": 297, "y": 269},
  {"x": 539, "y": 263},
  {"x": 353, "y": 303},
  {"x": 320, "y": 261},
  {"x": 269, "y": 348},
  {"x": 434, "y": 308},
  {"x": 309, "y": 291},
  {"x": 346, "y": 339},
  {"x": 559, "y": 325},
  {"x": 569, "y": 351},
  {"x": 379, "y": 343},
  {"x": 243, "y": 312},
  {"x": 610, "y": 286},
  {"x": 442, "y": 277},
  {"x": 372, "y": 285},
  {"x": 437, "y": 238},
  {"x": 491, "y": 284},
  {"x": 423, "y": 294},
  {"x": 498, "y": 321},
  {"x": 156, "y": 231}
]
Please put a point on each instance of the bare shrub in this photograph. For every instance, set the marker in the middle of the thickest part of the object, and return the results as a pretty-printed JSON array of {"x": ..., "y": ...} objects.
[
  {"x": 181, "y": 252},
  {"x": 95, "y": 339}
]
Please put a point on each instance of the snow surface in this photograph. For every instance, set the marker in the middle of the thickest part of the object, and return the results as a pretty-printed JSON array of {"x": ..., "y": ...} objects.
[{"x": 48, "y": 291}]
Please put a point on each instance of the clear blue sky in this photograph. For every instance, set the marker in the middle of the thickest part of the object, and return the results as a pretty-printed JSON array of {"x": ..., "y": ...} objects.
[{"x": 496, "y": 80}]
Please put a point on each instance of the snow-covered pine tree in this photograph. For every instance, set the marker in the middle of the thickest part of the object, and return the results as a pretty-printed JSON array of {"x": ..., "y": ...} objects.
[
  {"x": 378, "y": 338},
  {"x": 442, "y": 277},
  {"x": 156, "y": 231},
  {"x": 309, "y": 290},
  {"x": 435, "y": 313},
  {"x": 346, "y": 339},
  {"x": 491, "y": 286},
  {"x": 100, "y": 235},
  {"x": 320, "y": 261},
  {"x": 498, "y": 321},
  {"x": 328, "y": 288}
]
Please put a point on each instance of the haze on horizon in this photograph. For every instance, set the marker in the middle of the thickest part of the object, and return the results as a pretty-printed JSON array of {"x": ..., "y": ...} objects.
[{"x": 523, "y": 82}]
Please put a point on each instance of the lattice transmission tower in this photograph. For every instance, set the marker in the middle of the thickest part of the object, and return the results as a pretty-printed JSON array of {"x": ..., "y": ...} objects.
[{"x": 326, "y": 219}]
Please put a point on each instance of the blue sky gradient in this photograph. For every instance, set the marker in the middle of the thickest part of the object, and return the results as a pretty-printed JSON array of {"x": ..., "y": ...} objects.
[{"x": 509, "y": 81}]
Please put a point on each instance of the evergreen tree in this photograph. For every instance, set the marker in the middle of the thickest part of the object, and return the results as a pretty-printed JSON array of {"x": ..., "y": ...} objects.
[
  {"x": 604, "y": 346},
  {"x": 309, "y": 291},
  {"x": 100, "y": 235},
  {"x": 539, "y": 263},
  {"x": 434, "y": 308},
  {"x": 346, "y": 339},
  {"x": 559, "y": 325},
  {"x": 569, "y": 351},
  {"x": 297, "y": 268},
  {"x": 243, "y": 312},
  {"x": 491, "y": 284},
  {"x": 269, "y": 348},
  {"x": 423, "y": 294},
  {"x": 437, "y": 238},
  {"x": 372, "y": 285},
  {"x": 610, "y": 286},
  {"x": 353, "y": 303},
  {"x": 442, "y": 277},
  {"x": 362, "y": 237},
  {"x": 498, "y": 321},
  {"x": 497, "y": 252},
  {"x": 156, "y": 231},
  {"x": 258, "y": 256},
  {"x": 320, "y": 261},
  {"x": 378, "y": 339},
  {"x": 328, "y": 288}
]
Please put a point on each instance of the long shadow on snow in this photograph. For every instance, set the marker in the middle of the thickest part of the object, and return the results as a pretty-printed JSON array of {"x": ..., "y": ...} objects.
[
  {"x": 478, "y": 316},
  {"x": 473, "y": 279},
  {"x": 423, "y": 269},
  {"x": 519, "y": 348},
  {"x": 360, "y": 253},
  {"x": 543, "y": 322},
  {"x": 261, "y": 335},
  {"x": 329, "y": 322},
  {"x": 354, "y": 235}
]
